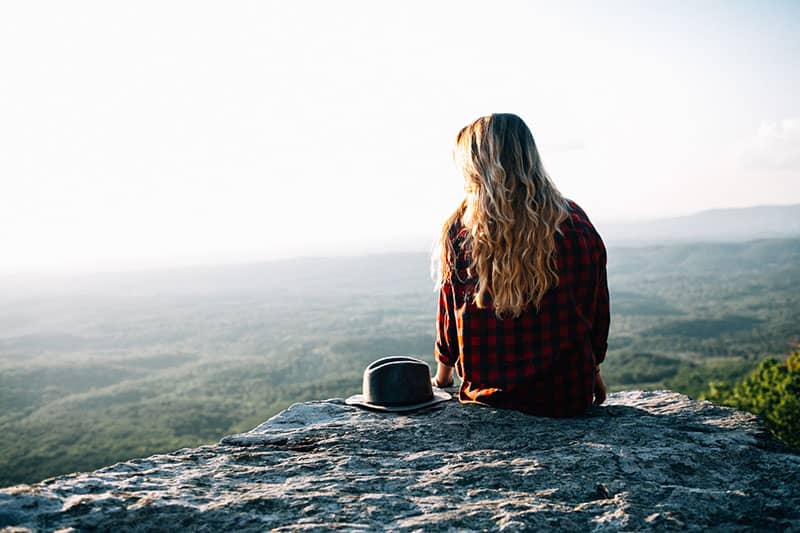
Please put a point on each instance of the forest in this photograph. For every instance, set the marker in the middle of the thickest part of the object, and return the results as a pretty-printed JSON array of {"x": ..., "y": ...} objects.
[{"x": 98, "y": 369}]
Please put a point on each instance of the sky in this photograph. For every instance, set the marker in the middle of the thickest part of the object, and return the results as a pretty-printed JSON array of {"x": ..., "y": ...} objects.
[{"x": 146, "y": 134}]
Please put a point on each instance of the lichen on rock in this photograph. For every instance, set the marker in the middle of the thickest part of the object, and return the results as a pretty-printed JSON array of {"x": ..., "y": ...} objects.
[{"x": 645, "y": 460}]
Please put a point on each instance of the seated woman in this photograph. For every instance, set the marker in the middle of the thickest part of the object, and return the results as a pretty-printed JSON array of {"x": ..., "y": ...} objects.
[{"x": 523, "y": 300}]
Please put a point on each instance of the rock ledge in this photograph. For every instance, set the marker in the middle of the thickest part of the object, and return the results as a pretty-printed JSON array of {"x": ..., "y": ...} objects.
[{"x": 646, "y": 460}]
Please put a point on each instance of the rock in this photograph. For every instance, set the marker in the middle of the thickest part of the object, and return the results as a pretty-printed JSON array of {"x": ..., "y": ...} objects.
[{"x": 645, "y": 461}]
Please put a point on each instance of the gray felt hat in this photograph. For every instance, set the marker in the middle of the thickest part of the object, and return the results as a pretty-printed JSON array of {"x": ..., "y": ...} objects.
[{"x": 397, "y": 384}]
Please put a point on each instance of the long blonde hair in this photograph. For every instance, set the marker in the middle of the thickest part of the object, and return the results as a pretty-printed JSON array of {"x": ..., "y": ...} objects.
[{"x": 511, "y": 212}]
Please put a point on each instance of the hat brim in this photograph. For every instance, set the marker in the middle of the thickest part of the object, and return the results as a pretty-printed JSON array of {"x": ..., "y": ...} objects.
[{"x": 358, "y": 400}]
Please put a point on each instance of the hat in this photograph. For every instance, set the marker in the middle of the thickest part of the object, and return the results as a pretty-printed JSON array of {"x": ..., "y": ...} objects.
[{"x": 397, "y": 384}]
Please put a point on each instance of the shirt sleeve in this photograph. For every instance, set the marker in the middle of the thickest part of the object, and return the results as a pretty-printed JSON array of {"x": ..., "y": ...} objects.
[
  {"x": 446, "y": 347},
  {"x": 602, "y": 318}
]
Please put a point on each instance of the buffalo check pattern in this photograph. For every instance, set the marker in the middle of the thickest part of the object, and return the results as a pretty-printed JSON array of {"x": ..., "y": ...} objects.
[{"x": 541, "y": 362}]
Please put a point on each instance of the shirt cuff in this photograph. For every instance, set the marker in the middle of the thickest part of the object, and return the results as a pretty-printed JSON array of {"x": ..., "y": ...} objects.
[
  {"x": 600, "y": 353},
  {"x": 442, "y": 358}
]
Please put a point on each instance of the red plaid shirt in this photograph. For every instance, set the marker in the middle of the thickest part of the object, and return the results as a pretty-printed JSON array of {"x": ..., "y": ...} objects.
[{"x": 541, "y": 362}]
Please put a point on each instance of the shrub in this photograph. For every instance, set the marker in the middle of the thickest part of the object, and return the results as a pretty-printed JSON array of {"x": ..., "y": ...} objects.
[{"x": 772, "y": 391}]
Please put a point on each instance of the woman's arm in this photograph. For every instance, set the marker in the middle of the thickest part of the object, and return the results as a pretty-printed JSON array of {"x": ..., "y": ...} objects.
[
  {"x": 445, "y": 349},
  {"x": 602, "y": 316},
  {"x": 601, "y": 324}
]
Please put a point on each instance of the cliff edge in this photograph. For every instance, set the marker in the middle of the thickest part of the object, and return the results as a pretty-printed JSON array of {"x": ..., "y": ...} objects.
[{"x": 645, "y": 460}]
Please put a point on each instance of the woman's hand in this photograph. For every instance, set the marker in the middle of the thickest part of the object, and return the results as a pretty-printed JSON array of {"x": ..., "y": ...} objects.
[
  {"x": 599, "y": 388},
  {"x": 443, "y": 377}
]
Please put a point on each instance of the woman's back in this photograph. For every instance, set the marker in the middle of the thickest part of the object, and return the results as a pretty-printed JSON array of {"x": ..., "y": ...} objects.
[
  {"x": 523, "y": 304},
  {"x": 542, "y": 361}
]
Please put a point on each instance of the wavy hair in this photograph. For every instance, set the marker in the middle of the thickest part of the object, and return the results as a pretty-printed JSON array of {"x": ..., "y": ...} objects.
[{"x": 511, "y": 213}]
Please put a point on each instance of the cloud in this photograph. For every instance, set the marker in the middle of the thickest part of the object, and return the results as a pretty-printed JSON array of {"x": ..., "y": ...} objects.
[{"x": 776, "y": 146}]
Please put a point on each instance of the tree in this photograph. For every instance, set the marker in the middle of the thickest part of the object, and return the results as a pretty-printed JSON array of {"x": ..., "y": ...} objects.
[{"x": 772, "y": 391}]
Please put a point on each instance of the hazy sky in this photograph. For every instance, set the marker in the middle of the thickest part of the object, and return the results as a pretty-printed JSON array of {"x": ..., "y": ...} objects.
[{"x": 150, "y": 133}]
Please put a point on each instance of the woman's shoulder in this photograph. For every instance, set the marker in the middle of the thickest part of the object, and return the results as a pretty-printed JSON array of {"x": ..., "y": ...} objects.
[
  {"x": 457, "y": 233},
  {"x": 576, "y": 212},
  {"x": 578, "y": 221}
]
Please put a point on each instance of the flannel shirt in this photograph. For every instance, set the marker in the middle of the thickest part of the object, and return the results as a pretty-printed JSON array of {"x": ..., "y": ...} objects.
[{"x": 541, "y": 362}]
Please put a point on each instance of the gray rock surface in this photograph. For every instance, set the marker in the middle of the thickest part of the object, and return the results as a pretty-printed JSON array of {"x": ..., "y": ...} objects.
[{"x": 646, "y": 460}]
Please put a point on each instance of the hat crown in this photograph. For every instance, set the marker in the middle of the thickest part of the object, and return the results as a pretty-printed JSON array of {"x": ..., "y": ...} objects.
[{"x": 397, "y": 381}]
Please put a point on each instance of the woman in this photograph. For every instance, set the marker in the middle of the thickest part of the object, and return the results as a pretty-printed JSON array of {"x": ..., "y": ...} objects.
[{"x": 523, "y": 299}]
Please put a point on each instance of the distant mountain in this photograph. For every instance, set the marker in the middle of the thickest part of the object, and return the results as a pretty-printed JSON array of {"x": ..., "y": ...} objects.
[{"x": 720, "y": 225}]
